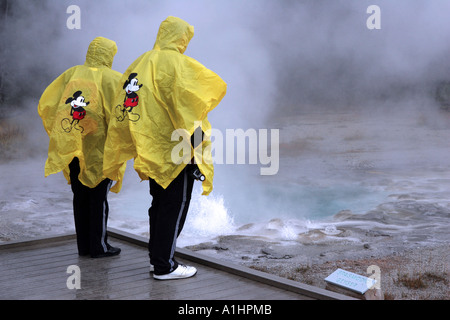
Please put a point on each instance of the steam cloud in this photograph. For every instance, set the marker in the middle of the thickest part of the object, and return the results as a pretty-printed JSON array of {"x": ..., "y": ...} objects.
[
  {"x": 326, "y": 57},
  {"x": 278, "y": 57},
  {"x": 287, "y": 56}
]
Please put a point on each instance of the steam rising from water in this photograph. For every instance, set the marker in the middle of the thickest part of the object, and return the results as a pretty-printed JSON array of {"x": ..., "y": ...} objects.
[
  {"x": 277, "y": 57},
  {"x": 281, "y": 60}
]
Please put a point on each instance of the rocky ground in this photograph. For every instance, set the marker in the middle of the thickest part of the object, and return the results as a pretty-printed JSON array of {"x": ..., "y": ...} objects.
[{"x": 419, "y": 272}]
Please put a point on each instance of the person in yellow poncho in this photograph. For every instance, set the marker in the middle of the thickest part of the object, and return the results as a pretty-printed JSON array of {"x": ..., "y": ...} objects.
[
  {"x": 75, "y": 110},
  {"x": 165, "y": 97}
]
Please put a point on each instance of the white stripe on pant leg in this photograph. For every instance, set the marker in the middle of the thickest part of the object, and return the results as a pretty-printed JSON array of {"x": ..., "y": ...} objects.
[
  {"x": 180, "y": 214},
  {"x": 103, "y": 243}
]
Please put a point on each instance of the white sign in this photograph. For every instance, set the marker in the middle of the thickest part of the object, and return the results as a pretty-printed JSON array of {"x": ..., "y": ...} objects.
[{"x": 351, "y": 281}]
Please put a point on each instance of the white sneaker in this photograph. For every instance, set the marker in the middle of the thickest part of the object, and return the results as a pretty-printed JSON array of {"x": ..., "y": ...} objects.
[
  {"x": 152, "y": 268},
  {"x": 181, "y": 272}
]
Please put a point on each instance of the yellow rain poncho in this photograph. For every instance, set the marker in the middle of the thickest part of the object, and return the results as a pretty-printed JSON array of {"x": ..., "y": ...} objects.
[
  {"x": 165, "y": 96},
  {"x": 75, "y": 110}
]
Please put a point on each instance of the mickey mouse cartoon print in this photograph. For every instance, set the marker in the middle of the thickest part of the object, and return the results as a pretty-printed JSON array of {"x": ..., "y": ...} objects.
[
  {"x": 77, "y": 111},
  {"x": 131, "y": 99}
]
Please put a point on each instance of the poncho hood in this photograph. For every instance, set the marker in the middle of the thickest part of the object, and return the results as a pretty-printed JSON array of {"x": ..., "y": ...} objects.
[
  {"x": 174, "y": 34},
  {"x": 101, "y": 53}
]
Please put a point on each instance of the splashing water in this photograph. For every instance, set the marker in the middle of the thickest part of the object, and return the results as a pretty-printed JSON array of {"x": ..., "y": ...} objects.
[{"x": 208, "y": 217}]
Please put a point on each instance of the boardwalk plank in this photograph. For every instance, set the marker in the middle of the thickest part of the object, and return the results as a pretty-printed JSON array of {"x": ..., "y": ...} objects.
[{"x": 39, "y": 271}]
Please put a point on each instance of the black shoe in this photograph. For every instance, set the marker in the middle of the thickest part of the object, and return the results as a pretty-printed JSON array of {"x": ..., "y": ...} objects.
[{"x": 111, "y": 252}]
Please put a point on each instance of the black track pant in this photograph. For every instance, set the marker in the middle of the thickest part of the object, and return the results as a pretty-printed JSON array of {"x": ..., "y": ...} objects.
[
  {"x": 167, "y": 216},
  {"x": 90, "y": 208}
]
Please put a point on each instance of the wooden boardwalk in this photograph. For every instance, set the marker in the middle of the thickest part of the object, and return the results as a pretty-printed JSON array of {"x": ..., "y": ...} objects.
[{"x": 38, "y": 269}]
